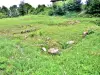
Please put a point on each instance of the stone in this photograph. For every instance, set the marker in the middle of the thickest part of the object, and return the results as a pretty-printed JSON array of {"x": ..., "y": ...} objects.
[
  {"x": 53, "y": 51},
  {"x": 70, "y": 42},
  {"x": 44, "y": 49},
  {"x": 26, "y": 36},
  {"x": 85, "y": 33}
]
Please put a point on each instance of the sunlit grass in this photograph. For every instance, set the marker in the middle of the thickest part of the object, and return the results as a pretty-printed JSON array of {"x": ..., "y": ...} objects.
[{"x": 21, "y": 54}]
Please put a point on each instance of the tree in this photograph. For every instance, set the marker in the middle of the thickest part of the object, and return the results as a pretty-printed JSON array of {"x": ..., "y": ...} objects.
[
  {"x": 74, "y": 5},
  {"x": 5, "y": 10},
  {"x": 28, "y": 8},
  {"x": 25, "y": 8},
  {"x": 21, "y": 8},
  {"x": 0, "y": 9},
  {"x": 59, "y": 11},
  {"x": 40, "y": 8},
  {"x": 2, "y": 15},
  {"x": 31, "y": 11},
  {"x": 93, "y": 7},
  {"x": 78, "y": 5},
  {"x": 70, "y": 5},
  {"x": 14, "y": 11}
]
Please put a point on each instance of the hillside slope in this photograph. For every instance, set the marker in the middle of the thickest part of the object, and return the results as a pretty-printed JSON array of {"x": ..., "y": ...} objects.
[{"x": 21, "y": 40}]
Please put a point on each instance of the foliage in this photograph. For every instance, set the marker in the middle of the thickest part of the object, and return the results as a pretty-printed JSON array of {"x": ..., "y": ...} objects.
[
  {"x": 21, "y": 8},
  {"x": 25, "y": 8},
  {"x": 51, "y": 13},
  {"x": 63, "y": 45},
  {"x": 2, "y": 15},
  {"x": 46, "y": 11},
  {"x": 74, "y": 5},
  {"x": 3, "y": 63},
  {"x": 72, "y": 14},
  {"x": 97, "y": 22},
  {"x": 5, "y": 10},
  {"x": 40, "y": 9},
  {"x": 93, "y": 7},
  {"x": 14, "y": 11},
  {"x": 62, "y": 7},
  {"x": 0, "y": 9},
  {"x": 28, "y": 8},
  {"x": 59, "y": 11}
]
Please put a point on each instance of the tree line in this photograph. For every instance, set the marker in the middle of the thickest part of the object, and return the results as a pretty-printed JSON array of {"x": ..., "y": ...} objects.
[
  {"x": 91, "y": 7},
  {"x": 21, "y": 10}
]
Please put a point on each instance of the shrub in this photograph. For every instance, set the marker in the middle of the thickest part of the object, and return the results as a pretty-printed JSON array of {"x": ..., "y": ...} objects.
[
  {"x": 39, "y": 9},
  {"x": 51, "y": 13},
  {"x": 2, "y": 16},
  {"x": 74, "y": 5},
  {"x": 93, "y": 7},
  {"x": 90, "y": 31},
  {"x": 63, "y": 45},
  {"x": 59, "y": 11},
  {"x": 72, "y": 14}
]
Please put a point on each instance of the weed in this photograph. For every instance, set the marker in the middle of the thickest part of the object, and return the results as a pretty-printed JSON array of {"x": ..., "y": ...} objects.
[
  {"x": 3, "y": 63},
  {"x": 63, "y": 45}
]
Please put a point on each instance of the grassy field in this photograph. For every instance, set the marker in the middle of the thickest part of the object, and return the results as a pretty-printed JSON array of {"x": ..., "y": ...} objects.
[{"x": 22, "y": 38}]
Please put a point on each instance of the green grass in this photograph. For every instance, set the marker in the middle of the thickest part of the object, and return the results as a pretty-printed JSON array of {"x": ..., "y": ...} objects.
[{"x": 21, "y": 54}]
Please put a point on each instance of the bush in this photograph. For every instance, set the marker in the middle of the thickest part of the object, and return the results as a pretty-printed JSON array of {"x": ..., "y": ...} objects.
[
  {"x": 2, "y": 16},
  {"x": 51, "y": 13},
  {"x": 63, "y": 45},
  {"x": 40, "y": 9},
  {"x": 97, "y": 22},
  {"x": 73, "y": 6},
  {"x": 72, "y": 14},
  {"x": 93, "y": 7},
  {"x": 59, "y": 11},
  {"x": 46, "y": 11}
]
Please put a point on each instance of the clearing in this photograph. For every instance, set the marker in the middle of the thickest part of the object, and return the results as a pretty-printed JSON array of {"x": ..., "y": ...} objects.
[{"x": 22, "y": 38}]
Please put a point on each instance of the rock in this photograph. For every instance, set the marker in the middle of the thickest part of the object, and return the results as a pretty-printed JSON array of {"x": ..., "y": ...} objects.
[
  {"x": 27, "y": 31},
  {"x": 53, "y": 51},
  {"x": 85, "y": 33},
  {"x": 26, "y": 36},
  {"x": 44, "y": 49},
  {"x": 77, "y": 21},
  {"x": 48, "y": 38},
  {"x": 70, "y": 42}
]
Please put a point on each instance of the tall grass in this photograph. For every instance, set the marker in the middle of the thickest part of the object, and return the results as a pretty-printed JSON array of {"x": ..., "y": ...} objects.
[{"x": 21, "y": 54}]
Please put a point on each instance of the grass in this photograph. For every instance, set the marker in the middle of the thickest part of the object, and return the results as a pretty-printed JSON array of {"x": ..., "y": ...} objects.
[{"x": 21, "y": 54}]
